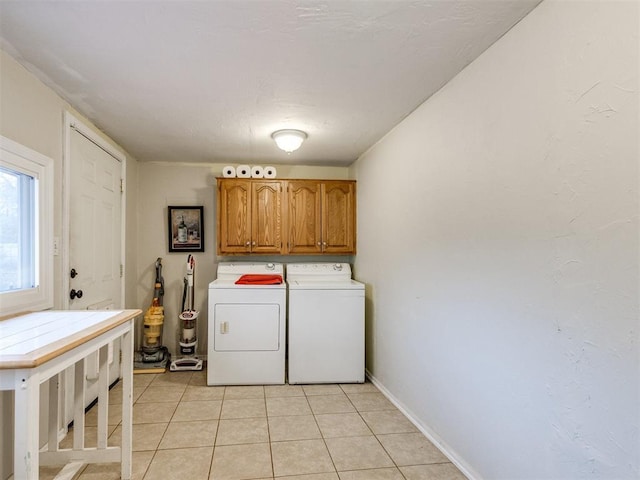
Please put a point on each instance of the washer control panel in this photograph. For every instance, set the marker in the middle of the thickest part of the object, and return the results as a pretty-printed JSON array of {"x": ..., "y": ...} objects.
[{"x": 325, "y": 272}]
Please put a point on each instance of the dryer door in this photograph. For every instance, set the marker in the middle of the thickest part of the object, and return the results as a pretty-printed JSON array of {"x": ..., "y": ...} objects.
[{"x": 246, "y": 327}]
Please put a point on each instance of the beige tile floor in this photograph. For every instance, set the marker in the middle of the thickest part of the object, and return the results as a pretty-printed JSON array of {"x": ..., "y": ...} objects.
[{"x": 185, "y": 430}]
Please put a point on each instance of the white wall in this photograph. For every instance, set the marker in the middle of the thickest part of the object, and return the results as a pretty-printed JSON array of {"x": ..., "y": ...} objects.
[
  {"x": 498, "y": 236},
  {"x": 32, "y": 115},
  {"x": 163, "y": 184}
]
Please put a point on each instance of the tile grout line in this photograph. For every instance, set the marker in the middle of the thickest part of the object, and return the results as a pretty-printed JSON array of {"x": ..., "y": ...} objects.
[
  {"x": 155, "y": 451},
  {"x": 374, "y": 434},
  {"x": 146, "y": 470},
  {"x": 266, "y": 410},
  {"x": 215, "y": 438},
  {"x": 324, "y": 441}
]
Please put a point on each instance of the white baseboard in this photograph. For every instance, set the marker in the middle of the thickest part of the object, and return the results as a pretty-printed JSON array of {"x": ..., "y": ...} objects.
[{"x": 446, "y": 450}]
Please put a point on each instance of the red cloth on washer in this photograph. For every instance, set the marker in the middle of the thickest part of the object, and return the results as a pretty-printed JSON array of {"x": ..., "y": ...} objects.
[{"x": 259, "y": 279}]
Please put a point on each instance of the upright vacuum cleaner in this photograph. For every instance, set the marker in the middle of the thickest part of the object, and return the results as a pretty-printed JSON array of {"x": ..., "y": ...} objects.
[
  {"x": 153, "y": 358},
  {"x": 188, "y": 331}
]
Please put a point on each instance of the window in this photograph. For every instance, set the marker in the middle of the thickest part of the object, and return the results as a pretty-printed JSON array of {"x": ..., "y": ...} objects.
[
  {"x": 17, "y": 239},
  {"x": 26, "y": 235}
]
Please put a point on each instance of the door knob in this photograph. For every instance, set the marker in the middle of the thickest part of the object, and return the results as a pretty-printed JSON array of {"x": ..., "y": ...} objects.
[
  {"x": 73, "y": 294},
  {"x": 73, "y": 273}
]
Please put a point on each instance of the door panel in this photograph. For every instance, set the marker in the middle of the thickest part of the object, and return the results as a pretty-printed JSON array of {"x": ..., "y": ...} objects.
[
  {"x": 233, "y": 215},
  {"x": 338, "y": 219},
  {"x": 266, "y": 214},
  {"x": 304, "y": 199}
]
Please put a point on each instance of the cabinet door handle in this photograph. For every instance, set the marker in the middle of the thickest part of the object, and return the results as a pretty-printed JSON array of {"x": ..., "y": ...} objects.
[
  {"x": 324, "y": 244},
  {"x": 254, "y": 243},
  {"x": 248, "y": 243}
]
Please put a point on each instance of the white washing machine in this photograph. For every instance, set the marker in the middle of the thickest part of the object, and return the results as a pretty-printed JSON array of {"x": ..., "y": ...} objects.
[
  {"x": 247, "y": 325},
  {"x": 326, "y": 324}
]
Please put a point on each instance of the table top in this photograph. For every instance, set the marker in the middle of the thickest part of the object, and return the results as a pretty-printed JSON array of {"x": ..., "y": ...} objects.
[{"x": 29, "y": 340}]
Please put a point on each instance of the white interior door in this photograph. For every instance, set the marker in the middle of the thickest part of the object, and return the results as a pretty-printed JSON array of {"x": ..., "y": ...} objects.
[
  {"x": 94, "y": 226},
  {"x": 95, "y": 244}
]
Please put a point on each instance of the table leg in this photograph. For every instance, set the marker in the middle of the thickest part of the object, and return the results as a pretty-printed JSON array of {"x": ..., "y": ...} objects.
[
  {"x": 127, "y": 400},
  {"x": 103, "y": 397},
  {"x": 26, "y": 435},
  {"x": 78, "y": 405},
  {"x": 54, "y": 412}
]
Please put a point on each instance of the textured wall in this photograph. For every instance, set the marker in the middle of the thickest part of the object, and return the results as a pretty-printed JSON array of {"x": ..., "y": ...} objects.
[{"x": 498, "y": 236}]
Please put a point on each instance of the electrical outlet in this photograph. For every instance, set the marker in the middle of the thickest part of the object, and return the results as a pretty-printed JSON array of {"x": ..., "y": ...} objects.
[{"x": 56, "y": 246}]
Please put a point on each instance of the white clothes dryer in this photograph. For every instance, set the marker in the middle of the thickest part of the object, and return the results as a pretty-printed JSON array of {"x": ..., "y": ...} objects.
[
  {"x": 326, "y": 324},
  {"x": 246, "y": 327}
]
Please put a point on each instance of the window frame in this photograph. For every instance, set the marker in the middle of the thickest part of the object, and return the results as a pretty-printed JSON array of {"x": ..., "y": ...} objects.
[{"x": 19, "y": 158}]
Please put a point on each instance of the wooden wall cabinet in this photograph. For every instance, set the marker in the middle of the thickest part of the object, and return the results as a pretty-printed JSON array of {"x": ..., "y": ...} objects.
[
  {"x": 255, "y": 216},
  {"x": 249, "y": 216},
  {"x": 321, "y": 216}
]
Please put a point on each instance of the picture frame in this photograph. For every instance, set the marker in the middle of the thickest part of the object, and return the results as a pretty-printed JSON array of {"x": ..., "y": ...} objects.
[{"x": 186, "y": 229}]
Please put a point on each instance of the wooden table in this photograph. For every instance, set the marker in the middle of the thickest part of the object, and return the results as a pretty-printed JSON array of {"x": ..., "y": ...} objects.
[{"x": 36, "y": 348}]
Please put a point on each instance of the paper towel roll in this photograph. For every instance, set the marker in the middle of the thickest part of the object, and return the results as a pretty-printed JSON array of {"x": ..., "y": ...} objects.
[
  {"x": 229, "y": 171},
  {"x": 269, "y": 172},
  {"x": 243, "y": 171},
  {"x": 257, "y": 172}
]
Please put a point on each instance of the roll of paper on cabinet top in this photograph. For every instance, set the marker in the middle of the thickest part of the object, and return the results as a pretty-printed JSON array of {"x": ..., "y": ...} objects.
[
  {"x": 269, "y": 172},
  {"x": 257, "y": 172},
  {"x": 229, "y": 171},
  {"x": 243, "y": 171}
]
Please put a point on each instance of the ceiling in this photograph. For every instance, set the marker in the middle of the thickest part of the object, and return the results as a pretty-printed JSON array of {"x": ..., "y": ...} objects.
[{"x": 209, "y": 81}]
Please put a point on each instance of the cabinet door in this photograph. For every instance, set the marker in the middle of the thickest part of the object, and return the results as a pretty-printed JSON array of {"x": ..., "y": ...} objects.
[
  {"x": 266, "y": 217},
  {"x": 338, "y": 217},
  {"x": 305, "y": 225},
  {"x": 234, "y": 222}
]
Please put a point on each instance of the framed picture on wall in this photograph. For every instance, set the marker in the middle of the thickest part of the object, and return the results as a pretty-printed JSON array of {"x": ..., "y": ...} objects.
[{"x": 186, "y": 229}]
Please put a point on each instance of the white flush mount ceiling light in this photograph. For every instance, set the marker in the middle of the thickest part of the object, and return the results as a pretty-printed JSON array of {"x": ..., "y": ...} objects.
[{"x": 289, "y": 140}]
